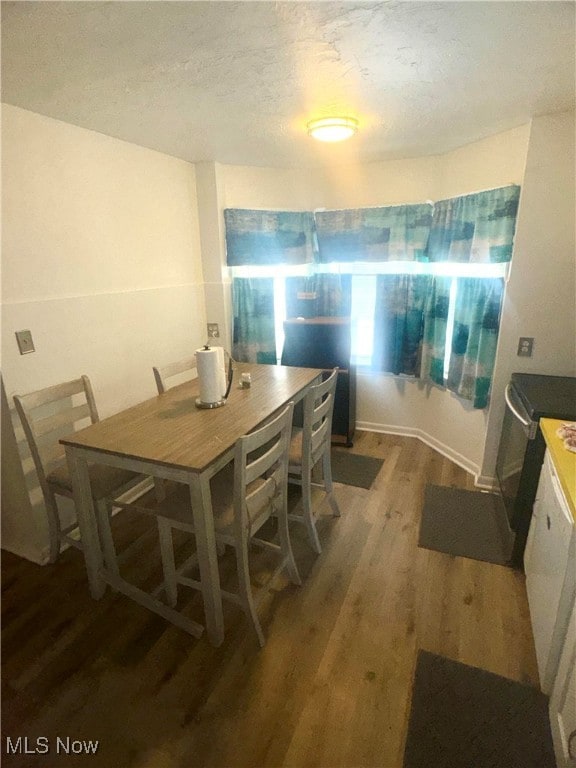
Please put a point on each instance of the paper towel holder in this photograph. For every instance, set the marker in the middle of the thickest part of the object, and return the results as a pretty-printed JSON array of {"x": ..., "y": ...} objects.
[{"x": 229, "y": 376}]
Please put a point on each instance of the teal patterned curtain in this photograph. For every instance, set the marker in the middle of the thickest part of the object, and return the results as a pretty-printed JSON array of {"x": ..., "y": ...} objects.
[
  {"x": 394, "y": 233},
  {"x": 268, "y": 237},
  {"x": 412, "y": 311},
  {"x": 254, "y": 338},
  {"x": 434, "y": 331},
  {"x": 399, "y": 322},
  {"x": 320, "y": 295},
  {"x": 475, "y": 228},
  {"x": 476, "y": 322}
]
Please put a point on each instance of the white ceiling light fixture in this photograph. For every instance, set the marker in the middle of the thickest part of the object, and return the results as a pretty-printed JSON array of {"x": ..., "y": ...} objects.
[{"x": 333, "y": 128}]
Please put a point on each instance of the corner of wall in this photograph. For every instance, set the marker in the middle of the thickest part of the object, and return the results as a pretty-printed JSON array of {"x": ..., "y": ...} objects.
[{"x": 211, "y": 202}]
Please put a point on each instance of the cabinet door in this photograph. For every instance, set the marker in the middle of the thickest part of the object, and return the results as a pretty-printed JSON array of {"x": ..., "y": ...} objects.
[
  {"x": 545, "y": 564},
  {"x": 538, "y": 519},
  {"x": 563, "y": 701}
]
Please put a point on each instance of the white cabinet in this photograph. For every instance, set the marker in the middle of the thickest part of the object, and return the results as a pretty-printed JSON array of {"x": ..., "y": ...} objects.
[
  {"x": 563, "y": 700},
  {"x": 550, "y": 568}
]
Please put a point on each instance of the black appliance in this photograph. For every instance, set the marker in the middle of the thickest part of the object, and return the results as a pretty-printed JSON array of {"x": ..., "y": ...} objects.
[
  {"x": 529, "y": 397},
  {"x": 325, "y": 342}
]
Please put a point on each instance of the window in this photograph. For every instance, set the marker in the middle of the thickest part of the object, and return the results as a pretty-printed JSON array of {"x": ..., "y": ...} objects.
[
  {"x": 362, "y": 319},
  {"x": 364, "y": 296},
  {"x": 422, "y": 283}
]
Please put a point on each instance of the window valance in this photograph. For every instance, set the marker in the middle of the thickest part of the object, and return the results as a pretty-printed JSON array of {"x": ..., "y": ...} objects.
[
  {"x": 477, "y": 228},
  {"x": 269, "y": 237},
  {"x": 393, "y": 233}
]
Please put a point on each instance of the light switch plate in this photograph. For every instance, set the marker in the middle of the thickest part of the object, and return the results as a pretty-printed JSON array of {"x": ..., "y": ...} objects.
[
  {"x": 213, "y": 330},
  {"x": 25, "y": 343},
  {"x": 525, "y": 346}
]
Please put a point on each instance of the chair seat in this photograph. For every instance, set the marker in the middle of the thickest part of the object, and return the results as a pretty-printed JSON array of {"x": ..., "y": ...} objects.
[
  {"x": 176, "y": 506},
  {"x": 104, "y": 481}
]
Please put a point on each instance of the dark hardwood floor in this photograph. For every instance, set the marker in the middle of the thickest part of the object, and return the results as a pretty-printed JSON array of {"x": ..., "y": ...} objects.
[{"x": 331, "y": 688}]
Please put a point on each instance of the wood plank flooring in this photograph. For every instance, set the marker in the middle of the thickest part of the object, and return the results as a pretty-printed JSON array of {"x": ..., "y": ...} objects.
[{"x": 332, "y": 687}]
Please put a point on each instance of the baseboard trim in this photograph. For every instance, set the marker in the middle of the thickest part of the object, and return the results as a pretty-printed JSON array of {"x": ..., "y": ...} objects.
[{"x": 481, "y": 481}]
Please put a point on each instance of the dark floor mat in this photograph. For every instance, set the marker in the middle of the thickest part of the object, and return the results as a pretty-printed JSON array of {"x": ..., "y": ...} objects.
[
  {"x": 355, "y": 469},
  {"x": 465, "y": 523},
  {"x": 463, "y": 717}
]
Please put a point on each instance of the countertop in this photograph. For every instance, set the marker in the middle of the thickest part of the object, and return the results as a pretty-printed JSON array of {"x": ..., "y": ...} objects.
[{"x": 564, "y": 460}]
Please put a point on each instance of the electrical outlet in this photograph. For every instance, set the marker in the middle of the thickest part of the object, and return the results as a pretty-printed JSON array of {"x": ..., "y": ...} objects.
[
  {"x": 213, "y": 330},
  {"x": 525, "y": 346},
  {"x": 25, "y": 343}
]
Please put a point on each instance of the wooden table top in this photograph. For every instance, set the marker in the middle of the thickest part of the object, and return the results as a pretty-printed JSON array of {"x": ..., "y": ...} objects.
[{"x": 169, "y": 429}]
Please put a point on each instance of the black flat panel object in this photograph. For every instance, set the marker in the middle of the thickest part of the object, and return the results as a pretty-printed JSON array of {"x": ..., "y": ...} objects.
[{"x": 325, "y": 342}]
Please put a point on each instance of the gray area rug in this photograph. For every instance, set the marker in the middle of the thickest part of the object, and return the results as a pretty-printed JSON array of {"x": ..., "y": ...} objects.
[
  {"x": 463, "y": 717},
  {"x": 466, "y": 524},
  {"x": 354, "y": 469}
]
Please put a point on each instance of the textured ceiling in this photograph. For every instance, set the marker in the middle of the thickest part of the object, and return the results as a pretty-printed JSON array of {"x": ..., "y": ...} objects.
[{"x": 236, "y": 82}]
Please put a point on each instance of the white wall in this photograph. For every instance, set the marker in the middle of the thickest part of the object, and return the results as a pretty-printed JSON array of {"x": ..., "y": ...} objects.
[
  {"x": 492, "y": 162},
  {"x": 387, "y": 402},
  {"x": 100, "y": 260},
  {"x": 541, "y": 292}
]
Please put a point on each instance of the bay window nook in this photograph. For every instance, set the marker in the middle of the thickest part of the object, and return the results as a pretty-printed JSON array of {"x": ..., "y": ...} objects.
[{"x": 422, "y": 284}]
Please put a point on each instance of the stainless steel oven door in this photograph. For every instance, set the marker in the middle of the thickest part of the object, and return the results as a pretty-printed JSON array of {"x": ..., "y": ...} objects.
[{"x": 518, "y": 430}]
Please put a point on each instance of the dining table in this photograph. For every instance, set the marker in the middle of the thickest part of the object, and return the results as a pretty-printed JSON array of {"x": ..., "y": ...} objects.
[{"x": 170, "y": 438}]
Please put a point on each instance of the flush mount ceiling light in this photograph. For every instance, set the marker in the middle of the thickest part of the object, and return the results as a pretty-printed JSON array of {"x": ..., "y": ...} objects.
[{"x": 333, "y": 128}]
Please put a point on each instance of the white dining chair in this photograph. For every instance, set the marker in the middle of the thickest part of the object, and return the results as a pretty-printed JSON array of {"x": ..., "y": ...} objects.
[
  {"x": 46, "y": 415},
  {"x": 310, "y": 447},
  {"x": 165, "y": 374},
  {"x": 245, "y": 495}
]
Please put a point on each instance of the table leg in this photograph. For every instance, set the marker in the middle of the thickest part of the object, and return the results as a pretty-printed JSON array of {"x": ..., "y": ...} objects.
[
  {"x": 207, "y": 558},
  {"x": 86, "y": 514}
]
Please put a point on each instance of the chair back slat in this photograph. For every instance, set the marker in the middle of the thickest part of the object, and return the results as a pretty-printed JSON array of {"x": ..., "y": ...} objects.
[
  {"x": 257, "y": 467},
  {"x": 38, "y": 425},
  {"x": 253, "y": 507},
  {"x": 51, "y": 394},
  {"x": 62, "y": 419},
  {"x": 164, "y": 373},
  {"x": 258, "y": 500},
  {"x": 321, "y": 410},
  {"x": 319, "y": 438}
]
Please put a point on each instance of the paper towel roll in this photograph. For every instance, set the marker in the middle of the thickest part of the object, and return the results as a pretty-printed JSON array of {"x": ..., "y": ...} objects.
[{"x": 209, "y": 374}]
